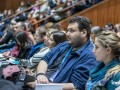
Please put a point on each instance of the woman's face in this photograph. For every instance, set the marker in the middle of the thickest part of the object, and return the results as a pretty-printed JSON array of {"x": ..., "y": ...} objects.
[
  {"x": 38, "y": 37},
  {"x": 46, "y": 38},
  {"x": 99, "y": 51},
  {"x": 51, "y": 42}
]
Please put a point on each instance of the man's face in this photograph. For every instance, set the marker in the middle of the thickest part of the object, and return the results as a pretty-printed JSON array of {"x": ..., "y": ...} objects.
[{"x": 74, "y": 35}]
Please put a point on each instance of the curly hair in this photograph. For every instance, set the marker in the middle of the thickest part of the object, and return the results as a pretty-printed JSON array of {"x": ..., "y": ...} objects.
[
  {"x": 83, "y": 23},
  {"x": 110, "y": 39}
]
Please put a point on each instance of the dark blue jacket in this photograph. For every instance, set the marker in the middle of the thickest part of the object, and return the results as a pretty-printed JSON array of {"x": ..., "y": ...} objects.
[
  {"x": 34, "y": 49},
  {"x": 76, "y": 67}
]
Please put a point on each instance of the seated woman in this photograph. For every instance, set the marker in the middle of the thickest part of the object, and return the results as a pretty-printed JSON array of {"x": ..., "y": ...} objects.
[
  {"x": 22, "y": 47},
  {"x": 52, "y": 39},
  {"x": 39, "y": 39},
  {"x": 106, "y": 75},
  {"x": 24, "y": 44}
]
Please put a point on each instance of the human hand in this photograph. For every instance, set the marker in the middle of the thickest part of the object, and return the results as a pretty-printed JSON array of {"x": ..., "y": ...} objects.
[{"x": 41, "y": 78}]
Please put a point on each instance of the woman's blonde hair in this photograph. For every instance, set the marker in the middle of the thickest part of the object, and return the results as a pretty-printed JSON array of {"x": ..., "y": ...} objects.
[{"x": 110, "y": 39}]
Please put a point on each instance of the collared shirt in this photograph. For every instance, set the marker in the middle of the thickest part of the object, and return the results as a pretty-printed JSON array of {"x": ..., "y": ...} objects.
[{"x": 76, "y": 66}]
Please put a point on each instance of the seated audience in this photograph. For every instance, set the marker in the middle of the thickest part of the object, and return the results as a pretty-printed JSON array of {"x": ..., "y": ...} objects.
[{"x": 22, "y": 48}]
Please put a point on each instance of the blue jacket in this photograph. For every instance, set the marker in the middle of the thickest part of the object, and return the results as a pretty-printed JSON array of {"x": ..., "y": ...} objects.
[
  {"x": 76, "y": 67},
  {"x": 34, "y": 49}
]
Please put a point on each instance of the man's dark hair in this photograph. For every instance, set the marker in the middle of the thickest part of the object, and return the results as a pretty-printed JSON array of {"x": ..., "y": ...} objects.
[{"x": 83, "y": 23}]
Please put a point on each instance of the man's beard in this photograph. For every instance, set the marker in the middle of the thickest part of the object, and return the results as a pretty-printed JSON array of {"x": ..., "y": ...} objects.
[{"x": 77, "y": 45}]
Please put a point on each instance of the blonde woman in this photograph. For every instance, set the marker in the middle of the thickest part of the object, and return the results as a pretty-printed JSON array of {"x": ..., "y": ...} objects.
[{"x": 106, "y": 76}]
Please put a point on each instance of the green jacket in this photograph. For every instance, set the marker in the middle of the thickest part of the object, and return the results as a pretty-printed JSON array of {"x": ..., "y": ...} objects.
[{"x": 104, "y": 77}]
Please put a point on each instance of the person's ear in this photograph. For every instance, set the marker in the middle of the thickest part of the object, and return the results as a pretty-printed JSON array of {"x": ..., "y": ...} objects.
[
  {"x": 109, "y": 50},
  {"x": 84, "y": 33}
]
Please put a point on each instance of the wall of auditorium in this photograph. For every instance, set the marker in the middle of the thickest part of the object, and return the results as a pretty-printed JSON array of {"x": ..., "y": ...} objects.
[
  {"x": 11, "y": 4},
  {"x": 101, "y": 14}
]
